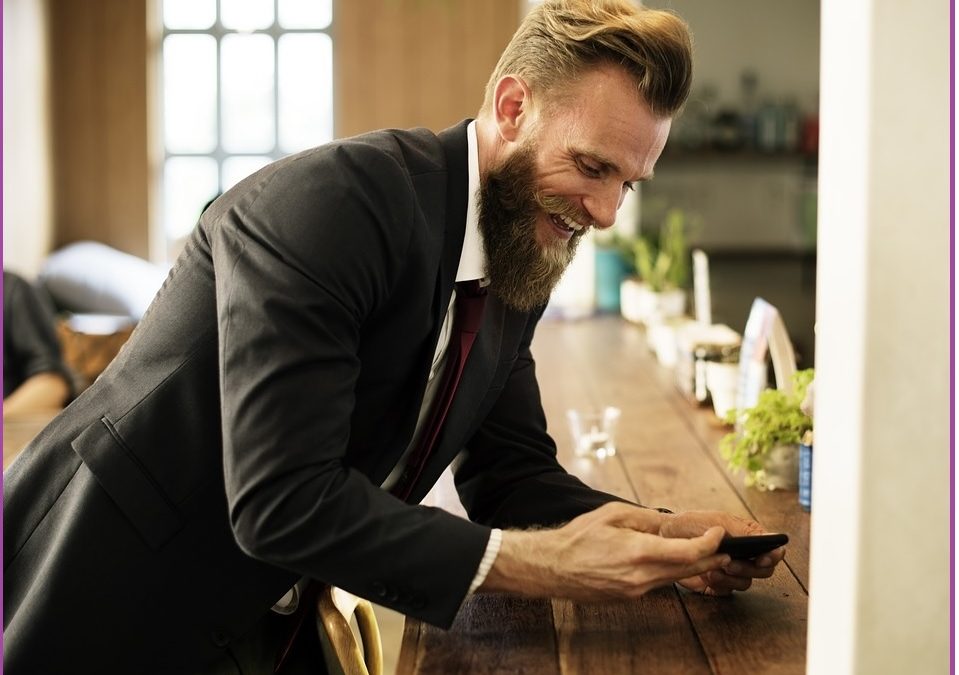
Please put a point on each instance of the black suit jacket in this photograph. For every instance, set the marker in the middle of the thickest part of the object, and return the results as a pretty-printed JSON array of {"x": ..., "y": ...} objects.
[{"x": 238, "y": 441}]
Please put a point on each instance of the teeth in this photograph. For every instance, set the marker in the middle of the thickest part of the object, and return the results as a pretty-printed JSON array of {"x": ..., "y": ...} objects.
[{"x": 571, "y": 224}]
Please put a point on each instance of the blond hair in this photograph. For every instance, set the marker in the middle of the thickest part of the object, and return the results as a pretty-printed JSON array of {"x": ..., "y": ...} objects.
[{"x": 560, "y": 39}]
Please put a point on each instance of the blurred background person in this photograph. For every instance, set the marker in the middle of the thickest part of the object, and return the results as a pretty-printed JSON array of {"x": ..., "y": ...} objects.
[{"x": 35, "y": 377}]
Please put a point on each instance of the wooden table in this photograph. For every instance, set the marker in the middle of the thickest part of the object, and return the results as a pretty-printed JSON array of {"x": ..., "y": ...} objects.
[
  {"x": 667, "y": 456},
  {"x": 18, "y": 432}
]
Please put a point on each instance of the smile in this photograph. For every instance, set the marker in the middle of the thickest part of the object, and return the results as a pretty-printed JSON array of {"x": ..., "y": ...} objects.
[{"x": 565, "y": 225}]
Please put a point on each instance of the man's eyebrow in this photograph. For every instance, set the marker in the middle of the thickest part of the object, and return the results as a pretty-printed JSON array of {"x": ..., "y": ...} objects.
[{"x": 611, "y": 165}]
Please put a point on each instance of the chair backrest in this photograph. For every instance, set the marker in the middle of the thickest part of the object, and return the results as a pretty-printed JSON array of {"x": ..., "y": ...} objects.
[{"x": 335, "y": 609}]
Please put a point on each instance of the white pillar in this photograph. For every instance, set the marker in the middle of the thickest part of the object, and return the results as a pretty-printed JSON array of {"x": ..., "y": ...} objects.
[{"x": 879, "y": 596}]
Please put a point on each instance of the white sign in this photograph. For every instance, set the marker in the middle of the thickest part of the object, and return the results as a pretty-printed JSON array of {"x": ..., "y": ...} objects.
[
  {"x": 701, "y": 293},
  {"x": 765, "y": 331}
]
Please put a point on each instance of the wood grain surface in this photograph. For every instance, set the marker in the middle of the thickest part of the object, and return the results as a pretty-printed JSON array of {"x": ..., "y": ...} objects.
[{"x": 667, "y": 455}]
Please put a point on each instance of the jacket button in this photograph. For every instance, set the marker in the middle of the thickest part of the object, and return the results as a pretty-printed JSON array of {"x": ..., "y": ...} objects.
[
  {"x": 418, "y": 601},
  {"x": 220, "y": 638},
  {"x": 378, "y": 589}
]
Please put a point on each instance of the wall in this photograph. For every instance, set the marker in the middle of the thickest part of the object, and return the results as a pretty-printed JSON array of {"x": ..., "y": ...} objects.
[
  {"x": 778, "y": 40},
  {"x": 746, "y": 200},
  {"x": 415, "y": 63},
  {"x": 99, "y": 114},
  {"x": 27, "y": 207},
  {"x": 880, "y": 600}
]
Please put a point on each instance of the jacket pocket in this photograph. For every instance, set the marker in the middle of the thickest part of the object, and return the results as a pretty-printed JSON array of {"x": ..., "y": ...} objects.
[{"x": 127, "y": 483}]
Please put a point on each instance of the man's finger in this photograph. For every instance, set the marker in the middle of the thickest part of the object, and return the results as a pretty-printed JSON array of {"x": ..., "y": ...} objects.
[
  {"x": 719, "y": 580},
  {"x": 757, "y": 569},
  {"x": 681, "y": 550},
  {"x": 633, "y": 517},
  {"x": 699, "y": 567}
]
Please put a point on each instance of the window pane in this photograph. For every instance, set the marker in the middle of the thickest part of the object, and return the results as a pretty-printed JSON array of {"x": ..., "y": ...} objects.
[
  {"x": 306, "y": 90},
  {"x": 189, "y": 93},
  {"x": 188, "y": 184},
  {"x": 237, "y": 168},
  {"x": 305, "y": 13},
  {"x": 189, "y": 13},
  {"x": 246, "y": 14},
  {"x": 247, "y": 102}
]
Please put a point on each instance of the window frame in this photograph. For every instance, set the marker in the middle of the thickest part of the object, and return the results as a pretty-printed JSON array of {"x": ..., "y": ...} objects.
[{"x": 219, "y": 154}]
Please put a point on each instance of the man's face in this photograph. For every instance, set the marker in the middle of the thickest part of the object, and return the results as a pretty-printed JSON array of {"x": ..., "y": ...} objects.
[{"x": 569, "y": 172}]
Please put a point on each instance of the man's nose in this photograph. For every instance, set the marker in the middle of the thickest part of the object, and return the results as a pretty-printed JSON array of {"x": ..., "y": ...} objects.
[{"x": 603, "y": 204}]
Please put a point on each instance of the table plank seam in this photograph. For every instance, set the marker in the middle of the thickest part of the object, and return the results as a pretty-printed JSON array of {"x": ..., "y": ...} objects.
[
  {"x": 410, "y": 656},
  {"x": 692, "y": 625},
  {"x": 629, "y": 478},
  {"x": 556, "y": 645}
]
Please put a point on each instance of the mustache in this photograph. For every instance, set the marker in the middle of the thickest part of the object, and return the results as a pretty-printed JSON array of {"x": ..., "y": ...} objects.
[{"x": 562, "y": 208}]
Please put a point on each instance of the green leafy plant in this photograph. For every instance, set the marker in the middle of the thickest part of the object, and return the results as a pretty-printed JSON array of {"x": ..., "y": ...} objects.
[
  {"x": 776, "y": 419},
  {"x": 664, "y": 264}
]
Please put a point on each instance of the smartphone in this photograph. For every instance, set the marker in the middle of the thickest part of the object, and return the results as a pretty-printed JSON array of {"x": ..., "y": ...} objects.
[{"x": 744, "y": 548}]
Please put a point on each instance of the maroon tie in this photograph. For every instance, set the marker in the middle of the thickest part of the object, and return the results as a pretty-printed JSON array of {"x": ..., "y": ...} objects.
[
  {"x": 470, "y": 300},
  {"x": 468, "y": 315}
]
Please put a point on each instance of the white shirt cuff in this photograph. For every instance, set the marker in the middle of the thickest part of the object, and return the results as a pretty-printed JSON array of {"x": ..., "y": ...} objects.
[{"x": 486, "y": 564}]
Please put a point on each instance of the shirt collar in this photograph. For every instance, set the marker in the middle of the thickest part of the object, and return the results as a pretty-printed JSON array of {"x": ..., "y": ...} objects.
[{"x": 473, "y": 256}]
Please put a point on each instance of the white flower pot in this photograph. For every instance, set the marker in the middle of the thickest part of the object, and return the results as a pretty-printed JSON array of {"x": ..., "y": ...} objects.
[
  {"x": 639, "y": 304},
  {"x": 663, "y": 338},
  {"x": 722, "y": 380},
  {"x": 670, "y": 304},
  {"x": 781, "y": 468},
  {"x": 631, "y": 300}
]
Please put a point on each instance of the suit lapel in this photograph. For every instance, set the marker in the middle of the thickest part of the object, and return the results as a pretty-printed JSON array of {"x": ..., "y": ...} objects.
[
  {"x": 452, "y": 226},
  {"x": 453, "y": 142}
]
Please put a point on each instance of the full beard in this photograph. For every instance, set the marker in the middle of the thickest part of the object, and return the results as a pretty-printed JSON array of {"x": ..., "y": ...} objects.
[{"x": 523, "y": 272}]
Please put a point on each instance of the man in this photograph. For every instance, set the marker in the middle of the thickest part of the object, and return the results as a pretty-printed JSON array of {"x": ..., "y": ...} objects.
[
  {"x": 274, "y": 399},
  {"x": 35, "y": 378}
]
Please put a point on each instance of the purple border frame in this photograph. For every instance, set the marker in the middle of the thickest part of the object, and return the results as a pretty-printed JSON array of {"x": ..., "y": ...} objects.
[
  {"x": 952, "y": 336},
  {"x": 2, "y": 89}
]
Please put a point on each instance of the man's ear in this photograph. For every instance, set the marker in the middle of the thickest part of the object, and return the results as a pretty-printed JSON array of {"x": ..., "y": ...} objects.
[{"x": 512, "y": 106}]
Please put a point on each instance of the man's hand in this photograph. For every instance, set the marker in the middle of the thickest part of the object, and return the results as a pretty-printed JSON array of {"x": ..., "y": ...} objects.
[
  {"x": 737, "y": 575},
  {"x": 612, "y": 552}
]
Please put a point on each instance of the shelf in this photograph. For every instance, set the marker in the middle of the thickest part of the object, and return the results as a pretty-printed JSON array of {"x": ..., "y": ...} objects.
[
  {"x": 760, "y": 253},
  {"x": 712, "y": 155}
]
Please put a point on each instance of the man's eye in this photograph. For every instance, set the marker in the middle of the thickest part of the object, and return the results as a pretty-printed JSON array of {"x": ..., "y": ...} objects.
[
  {"x": 629, "y": 186},
  {"x": 590, "y": 169}
]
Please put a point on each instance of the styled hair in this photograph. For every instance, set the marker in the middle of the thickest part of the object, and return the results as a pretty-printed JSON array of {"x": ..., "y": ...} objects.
[{"x": 560, "y": 39}]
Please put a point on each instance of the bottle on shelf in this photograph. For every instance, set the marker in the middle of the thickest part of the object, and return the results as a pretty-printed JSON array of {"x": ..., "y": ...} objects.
[
  {"x": 769, "y": 127},
  {"x": 748, "y": 82},
  {"x": 792, "y": 125},
  {"x": 694, "y": 126}
]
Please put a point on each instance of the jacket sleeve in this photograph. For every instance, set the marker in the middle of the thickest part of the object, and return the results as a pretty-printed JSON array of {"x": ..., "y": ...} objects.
[
  {"x": 508, "y": 475},
  {"x": 301, "y": 260}
]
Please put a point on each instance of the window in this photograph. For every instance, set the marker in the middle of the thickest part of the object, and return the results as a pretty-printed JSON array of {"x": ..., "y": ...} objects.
[{"x": 244, "y": 82}]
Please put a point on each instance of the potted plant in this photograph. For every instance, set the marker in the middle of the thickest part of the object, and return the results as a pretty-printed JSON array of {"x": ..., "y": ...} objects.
[
  {"x": 663, "y": 269},
  {"x": 766, "y": 441}
]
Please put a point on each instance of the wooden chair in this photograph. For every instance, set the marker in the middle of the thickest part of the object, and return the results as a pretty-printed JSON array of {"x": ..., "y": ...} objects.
[{"x": 335, "y": 609}]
